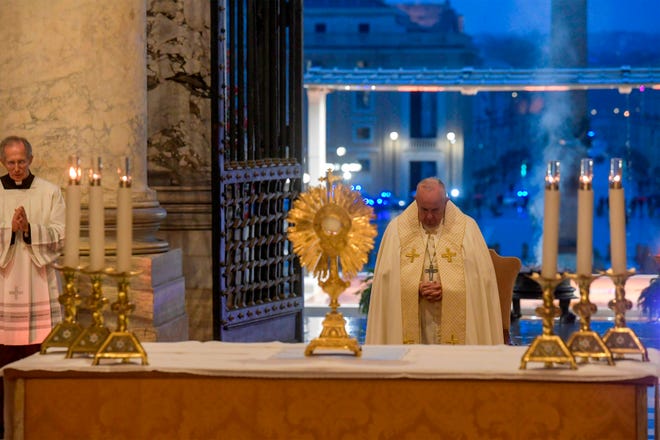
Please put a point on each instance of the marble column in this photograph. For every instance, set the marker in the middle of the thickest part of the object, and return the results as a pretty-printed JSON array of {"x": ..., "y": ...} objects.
[
  {"x": 179, "y": 143},
  {"x": 74, "y": 81}
]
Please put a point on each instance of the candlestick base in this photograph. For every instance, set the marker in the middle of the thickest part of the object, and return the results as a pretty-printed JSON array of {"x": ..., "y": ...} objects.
[
  {"x": 121, "y": 344},
  {"x": 65, "y": 332},
  {"x": 585, "y": 343},
  {"x": 89, "y": 341},
  {"x": 91, "y": 338},
  {"x": 620, "y": 339},
  {"x": 548, "y": 347},
  {"x": 62, "y": 336}
]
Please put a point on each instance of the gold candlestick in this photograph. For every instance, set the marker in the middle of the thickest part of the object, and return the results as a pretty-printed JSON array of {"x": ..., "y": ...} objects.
[
  {"x": 548, "y": 347},
  {"x": 121, "y": 343},
  {"x": 91, "y": 338},
  {"x": 620, "y": 339},
  {"x": 65, "y": 332},
  {"x": 586, "y": 343}
]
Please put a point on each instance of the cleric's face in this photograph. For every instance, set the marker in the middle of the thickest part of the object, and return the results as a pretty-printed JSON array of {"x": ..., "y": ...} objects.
[
  {"x": 17, "y": 161},
  {"x": 431, "y": 207}
]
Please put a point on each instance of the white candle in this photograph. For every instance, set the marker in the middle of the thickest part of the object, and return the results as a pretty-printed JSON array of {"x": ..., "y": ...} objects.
[
  {"x": 72, "y": 216},
  {"x": 617, "y": 217},
  {"x": 585, "y": 219},
  {"x": 124, "y": 221},
  {"x": 96, "y": 219},
  {"x": 551, "y": 221}
]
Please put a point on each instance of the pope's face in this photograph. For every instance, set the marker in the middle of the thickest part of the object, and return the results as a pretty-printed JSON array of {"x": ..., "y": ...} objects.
[
  {"x": 431, "y": 207},
  {"x": 17, "y": 161}
]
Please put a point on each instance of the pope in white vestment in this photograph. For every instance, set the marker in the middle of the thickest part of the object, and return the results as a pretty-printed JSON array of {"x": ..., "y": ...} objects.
[{"x": 434, "y": 281}]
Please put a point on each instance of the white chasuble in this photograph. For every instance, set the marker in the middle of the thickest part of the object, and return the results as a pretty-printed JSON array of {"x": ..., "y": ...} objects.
[
  {"x": 434, "y": 322},
  {"x": 469, "y": 312}
]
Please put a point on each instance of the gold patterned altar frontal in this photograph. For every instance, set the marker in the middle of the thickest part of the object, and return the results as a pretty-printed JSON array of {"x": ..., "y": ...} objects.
[{"x": 159, "y": 405}]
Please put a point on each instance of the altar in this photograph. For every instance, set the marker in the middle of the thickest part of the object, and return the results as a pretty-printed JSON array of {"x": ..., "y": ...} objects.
[{"x": 271, "y": 390}]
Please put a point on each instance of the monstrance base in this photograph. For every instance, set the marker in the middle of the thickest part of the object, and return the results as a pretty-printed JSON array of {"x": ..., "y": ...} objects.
[
  {"x": 548, "y": 349},
  {"x": 334, "y": 336}
]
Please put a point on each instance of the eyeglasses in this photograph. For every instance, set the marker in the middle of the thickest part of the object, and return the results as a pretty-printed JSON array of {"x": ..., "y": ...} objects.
[{"x": 16, "y": 163}]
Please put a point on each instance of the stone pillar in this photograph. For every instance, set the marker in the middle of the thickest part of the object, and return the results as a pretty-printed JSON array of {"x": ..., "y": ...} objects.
[
  {"x": 74, "y": 81},
  {"x": 316, "y": 141},
  {"x": 179, "y": 143}
]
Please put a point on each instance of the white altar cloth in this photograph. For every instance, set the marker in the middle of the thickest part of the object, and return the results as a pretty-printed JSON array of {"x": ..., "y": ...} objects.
[{"x": 281, "y": 360}]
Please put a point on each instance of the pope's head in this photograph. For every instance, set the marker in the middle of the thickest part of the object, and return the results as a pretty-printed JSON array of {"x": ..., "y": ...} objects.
[
  {"x": 16, "y": 156},
  {"x": 431, "y": 198}
]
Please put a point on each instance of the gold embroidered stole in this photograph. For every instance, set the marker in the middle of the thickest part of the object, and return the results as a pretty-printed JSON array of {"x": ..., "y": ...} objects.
[
  {"x": 412, "y": 264},
  {"x": 452, "y": 276},
  {"x": 449, "y": 244}
]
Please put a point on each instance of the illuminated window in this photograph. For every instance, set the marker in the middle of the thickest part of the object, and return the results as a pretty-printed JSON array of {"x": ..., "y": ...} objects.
[{"x": 363, "y": 134}]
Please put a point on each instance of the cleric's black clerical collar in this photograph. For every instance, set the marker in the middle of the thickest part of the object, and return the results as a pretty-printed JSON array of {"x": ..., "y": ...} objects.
[{"x": 8, "y": 182}]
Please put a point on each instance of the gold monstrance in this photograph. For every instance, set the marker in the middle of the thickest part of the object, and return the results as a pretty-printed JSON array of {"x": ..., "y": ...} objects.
[{"x": 330, "y": 229}]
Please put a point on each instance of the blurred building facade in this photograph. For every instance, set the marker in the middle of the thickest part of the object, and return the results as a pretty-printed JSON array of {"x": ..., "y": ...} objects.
[
  {"x": 396, "y": 137},
  {"x": 498, "y": 142}
]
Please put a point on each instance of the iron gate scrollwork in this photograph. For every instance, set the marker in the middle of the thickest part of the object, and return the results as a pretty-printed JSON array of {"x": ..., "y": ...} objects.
[{"x": 258, "y": 288}]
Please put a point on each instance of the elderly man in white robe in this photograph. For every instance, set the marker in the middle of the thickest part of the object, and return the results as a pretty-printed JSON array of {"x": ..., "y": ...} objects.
[
  {"x": 32, "y": 215},
  {"x": 434, "y": 281}
]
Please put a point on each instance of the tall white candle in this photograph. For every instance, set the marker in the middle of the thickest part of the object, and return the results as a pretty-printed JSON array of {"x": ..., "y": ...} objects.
[
  {"x": 72, "y": 215},
  {"x": 124, "y": 221},
  {"x": 617, "y": 217},
  {"x": 96, "y": 219},
  {"x": 551, "y": 221},
  {"x": 585, "y": 218}
]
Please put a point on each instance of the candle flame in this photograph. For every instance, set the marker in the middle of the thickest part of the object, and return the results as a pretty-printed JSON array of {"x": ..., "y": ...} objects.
[
  {"x": 586, "y": 178},
  {"x": 74, "y": 174}
]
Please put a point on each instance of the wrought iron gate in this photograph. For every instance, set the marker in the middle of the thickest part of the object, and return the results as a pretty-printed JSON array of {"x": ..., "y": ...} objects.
[{"x": 257, "y": 84}]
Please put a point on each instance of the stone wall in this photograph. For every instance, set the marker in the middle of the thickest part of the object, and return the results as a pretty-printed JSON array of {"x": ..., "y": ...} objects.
[{"x": 179, "y": 142}]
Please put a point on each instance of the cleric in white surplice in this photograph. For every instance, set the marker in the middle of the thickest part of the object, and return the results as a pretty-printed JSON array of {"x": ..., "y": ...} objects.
[
  {"x": 32, "y": 216},
  {"x": 434, "y": 281}
]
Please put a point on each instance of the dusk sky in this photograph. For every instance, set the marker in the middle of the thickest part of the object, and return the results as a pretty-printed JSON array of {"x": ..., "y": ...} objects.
[{"x": 525, "y": 16}]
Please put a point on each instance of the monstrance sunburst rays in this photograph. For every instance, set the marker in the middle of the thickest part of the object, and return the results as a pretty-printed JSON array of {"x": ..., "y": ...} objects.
[
  {"x": 330, "y": 229},
  {"x": 332, "y": 225}
]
